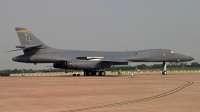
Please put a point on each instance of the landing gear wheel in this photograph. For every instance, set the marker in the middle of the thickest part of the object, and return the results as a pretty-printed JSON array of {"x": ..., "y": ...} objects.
[
  {"x": 90, "y": 73},
  {"x": 164, "y": 72},
  {"x": 94, "y": 72},
  {"x": 97, "y": 73},
  {"x": 102, "y": 73},
  {"x": 85, "y": 73}
]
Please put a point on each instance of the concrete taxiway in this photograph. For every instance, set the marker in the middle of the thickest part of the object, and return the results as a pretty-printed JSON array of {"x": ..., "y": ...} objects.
[{"x": 143, "y": 93}]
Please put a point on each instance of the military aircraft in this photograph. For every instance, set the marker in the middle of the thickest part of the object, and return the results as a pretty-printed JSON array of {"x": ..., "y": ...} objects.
[{"x": 91, "y": 62}]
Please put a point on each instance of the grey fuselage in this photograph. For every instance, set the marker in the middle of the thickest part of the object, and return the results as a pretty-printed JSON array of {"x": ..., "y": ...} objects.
[{"x": 51, "y": 55}]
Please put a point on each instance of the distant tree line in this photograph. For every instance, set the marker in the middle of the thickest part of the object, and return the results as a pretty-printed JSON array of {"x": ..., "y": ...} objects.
[
  {"x": 154, "y": 66},
  {"x": 113, "y": 68},
  {"x": 31, "y": 71}
]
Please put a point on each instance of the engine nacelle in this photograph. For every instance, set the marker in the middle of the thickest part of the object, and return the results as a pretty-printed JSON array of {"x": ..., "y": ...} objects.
[
  {"x": 60, "y": 65},
  {"x": 82, "y": 65}
]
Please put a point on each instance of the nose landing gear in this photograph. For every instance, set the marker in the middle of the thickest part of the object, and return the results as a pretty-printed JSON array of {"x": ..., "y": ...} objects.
[{"x": 164, "y": 71}]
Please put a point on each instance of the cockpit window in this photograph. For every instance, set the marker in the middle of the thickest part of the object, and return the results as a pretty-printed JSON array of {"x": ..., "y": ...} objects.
[{"x": 172, "y": 52}]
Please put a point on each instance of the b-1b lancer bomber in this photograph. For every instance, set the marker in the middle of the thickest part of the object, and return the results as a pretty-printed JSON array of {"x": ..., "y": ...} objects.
[{"x": 91, "y": 62}]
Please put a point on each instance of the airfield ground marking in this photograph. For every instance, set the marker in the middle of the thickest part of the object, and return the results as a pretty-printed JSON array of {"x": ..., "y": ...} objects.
[{"x": 133, "y": 101}]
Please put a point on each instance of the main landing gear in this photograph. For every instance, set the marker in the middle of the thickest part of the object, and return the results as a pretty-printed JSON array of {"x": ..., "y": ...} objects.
[
  {"x": 94, "y": 72},
  {"x": 68, "y": 70},
  {"x": 164, "y": 71}
]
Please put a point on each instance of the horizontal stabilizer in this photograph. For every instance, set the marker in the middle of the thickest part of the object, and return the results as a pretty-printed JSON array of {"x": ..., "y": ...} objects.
[
  {"x": 28, "y": 46},
  {"x": 24, "y": 47},
  {"x": 13, "y": 50}
]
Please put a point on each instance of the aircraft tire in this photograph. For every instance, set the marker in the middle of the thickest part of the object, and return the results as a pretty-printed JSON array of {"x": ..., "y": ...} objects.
[
  {"x": 97, "y": 73},
  {"x": 102, "y": 73},
  {"x": 85, "y": 73},
  {"x": 164, "y": 72},
  {"x": 90, "y": 73}
]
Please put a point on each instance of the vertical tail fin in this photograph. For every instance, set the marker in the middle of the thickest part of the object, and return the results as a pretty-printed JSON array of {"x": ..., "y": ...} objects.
[{"x": 26, "y": 38}]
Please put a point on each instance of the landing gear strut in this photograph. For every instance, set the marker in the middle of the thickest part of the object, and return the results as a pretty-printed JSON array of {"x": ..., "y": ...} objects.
[
  {"x": 67, "y": 70},
  {"x": 164, "y": 71},
  {"x": 94, "y": 72}
]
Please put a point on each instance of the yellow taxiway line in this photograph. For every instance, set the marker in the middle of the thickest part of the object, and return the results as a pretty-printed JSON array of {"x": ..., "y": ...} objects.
[{"x": 133, "y": 101}]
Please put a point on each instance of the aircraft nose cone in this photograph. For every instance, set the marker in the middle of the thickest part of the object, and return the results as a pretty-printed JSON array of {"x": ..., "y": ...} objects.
[
  {"x": 14, "y": 58},
  {"x": 191, "y": 58}
]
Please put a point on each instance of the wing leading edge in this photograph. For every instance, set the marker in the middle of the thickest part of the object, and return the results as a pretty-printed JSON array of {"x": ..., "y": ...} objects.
[{"x": 114, "y": 61}]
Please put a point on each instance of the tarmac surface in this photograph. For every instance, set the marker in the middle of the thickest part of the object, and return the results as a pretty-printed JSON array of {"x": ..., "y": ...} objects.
[{"x": 143, "y": 93}]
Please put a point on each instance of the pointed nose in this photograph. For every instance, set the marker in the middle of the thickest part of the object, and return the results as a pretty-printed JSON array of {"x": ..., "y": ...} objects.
[
  {"x": 191, "y": 58},
  {"x": 14, "y": 58}
]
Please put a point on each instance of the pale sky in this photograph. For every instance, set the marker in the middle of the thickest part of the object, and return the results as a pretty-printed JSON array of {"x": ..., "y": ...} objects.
[{"x": 103, "y": 25}]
